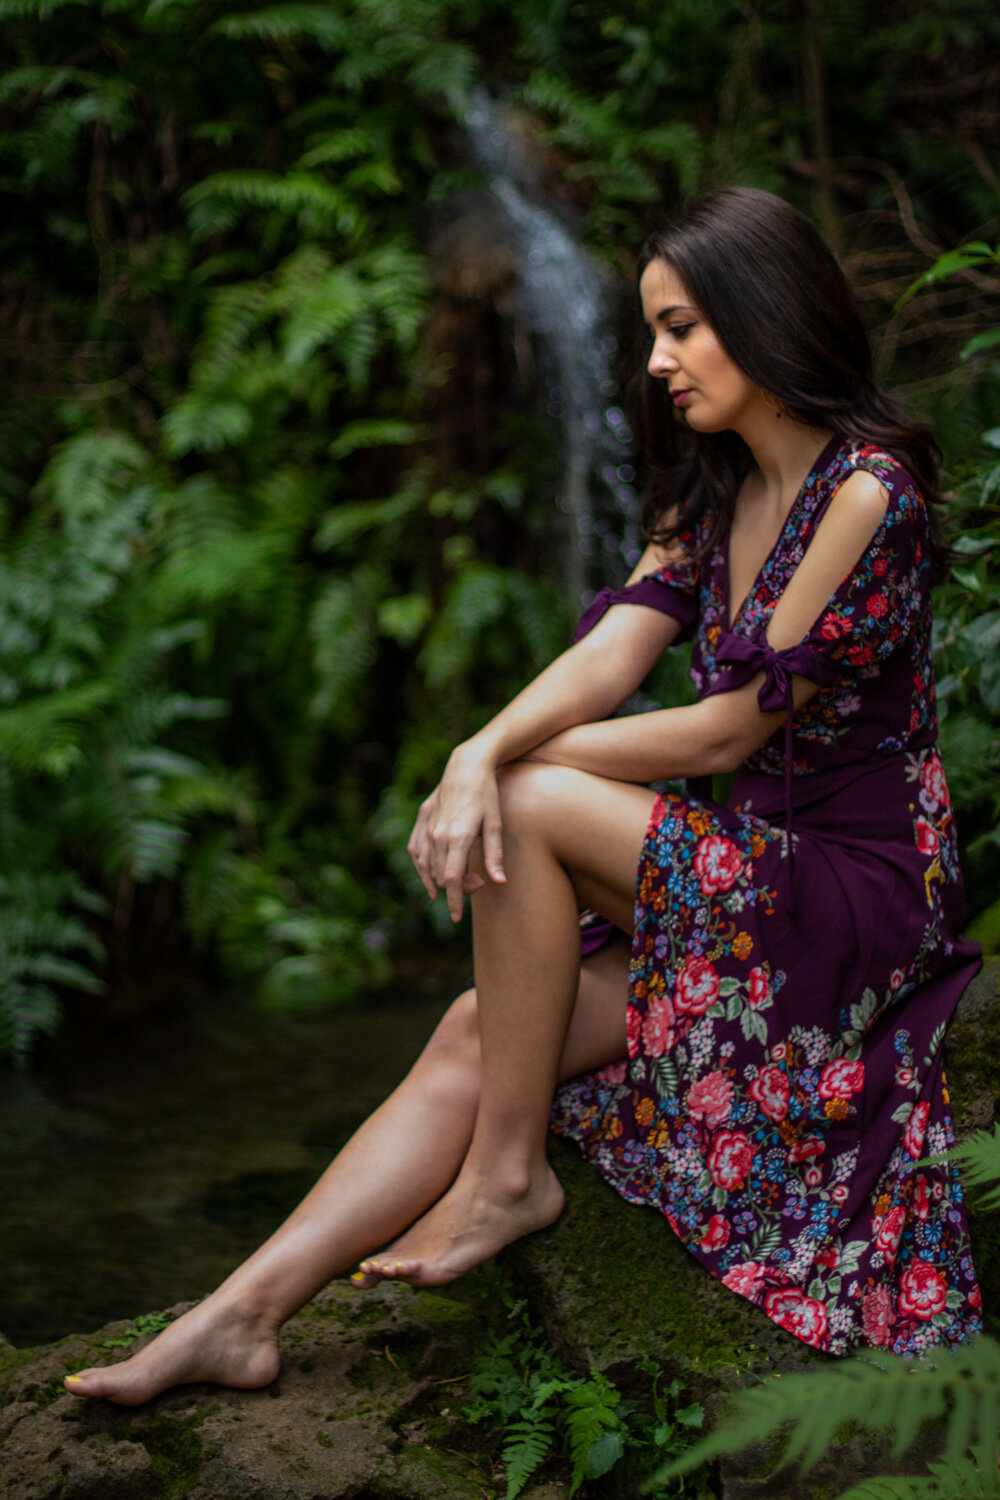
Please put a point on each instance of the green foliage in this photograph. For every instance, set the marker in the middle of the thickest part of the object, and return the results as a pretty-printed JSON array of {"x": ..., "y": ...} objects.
[
  {"x": 267, "y": 551},
  {"x": 979, "y": 1160},
  {"x": 972, "y": 1478},
  {"x": 145, "y": 1323},
  {"x": 545, "y": 1410},
  {"x": 876, "y": 1392}
]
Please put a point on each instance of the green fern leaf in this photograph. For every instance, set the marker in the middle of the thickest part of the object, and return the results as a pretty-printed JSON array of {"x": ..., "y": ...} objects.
[
  {"x": 978, "y": 1159},
  {"x": 970, "y": 1478},
  {"x": 876, "y": 1392},
  {"x": 321, "y": 24},
  {"x": 529, "y": 1443}
]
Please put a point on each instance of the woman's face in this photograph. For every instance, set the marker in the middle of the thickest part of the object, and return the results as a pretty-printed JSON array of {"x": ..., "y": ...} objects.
[{"x": 705, "y": 384}]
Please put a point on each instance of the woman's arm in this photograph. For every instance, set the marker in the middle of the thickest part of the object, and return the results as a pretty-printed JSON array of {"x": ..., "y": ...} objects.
[
  {"x": 719, "y": 733},
  {"x": 585, "y": 684}
]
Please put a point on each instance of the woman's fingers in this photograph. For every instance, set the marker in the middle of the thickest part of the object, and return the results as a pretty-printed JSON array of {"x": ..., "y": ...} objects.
[
  {"x": 418, "y": 846},
  {"x": 493, "y": 844}
]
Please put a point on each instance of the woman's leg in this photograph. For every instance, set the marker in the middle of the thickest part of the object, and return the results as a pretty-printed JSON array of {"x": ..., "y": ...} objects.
[
  {"x": 393, "y": 1169},
  {"x": 568, "y": 836}
]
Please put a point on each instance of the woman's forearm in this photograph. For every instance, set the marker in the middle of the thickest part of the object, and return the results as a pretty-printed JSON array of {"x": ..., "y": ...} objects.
[
  {"x": 698, "y": 739},
  {"x": 585, "y": 684}
]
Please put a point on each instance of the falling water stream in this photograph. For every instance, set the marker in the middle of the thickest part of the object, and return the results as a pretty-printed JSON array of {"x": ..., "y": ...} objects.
[{"x": 567, "y": 301}]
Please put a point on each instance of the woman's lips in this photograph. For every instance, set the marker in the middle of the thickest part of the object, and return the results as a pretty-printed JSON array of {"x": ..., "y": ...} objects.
[{"x": 679, "y": 397}]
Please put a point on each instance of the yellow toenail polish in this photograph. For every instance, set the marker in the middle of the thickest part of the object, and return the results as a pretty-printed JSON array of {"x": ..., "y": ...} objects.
[
  {"x": 358, "y": 1276},
  {"x": 399, "y": 1265},
  {"x": 74, "y": 1379}
]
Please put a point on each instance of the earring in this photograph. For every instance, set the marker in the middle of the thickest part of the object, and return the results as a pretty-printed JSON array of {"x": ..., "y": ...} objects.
[{"x": 772, "y": 404}]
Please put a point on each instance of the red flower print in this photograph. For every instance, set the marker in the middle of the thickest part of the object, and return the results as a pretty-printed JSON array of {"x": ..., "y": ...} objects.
[
  {"x": 916, "y": 1129},
  {"x": 710, "y": 1099},
  {"x": 697, "y": 986},
  {"x": 658, "y": 1027},
  {"x": 880, "y": 566},
  {"x": 890, "y": 1232},
  {"x": 832, "y": 628},
  {"x": 860, "y": 656},
  {"x": 904, "y": 1076},
  {"x": 804, "y": 1316},
  {"x": 922, "y": 1291},
  {"x": 927, "y": 839},
  {"x": 613, "y": 1073},
  {"x": 828, "y": 1257},
  {"x": 810, "y": 1145},
  {"x": 975, "y": 1297},
  {"x": 877, "y": 605},
  {"x": 876, "y": 1315},
  {"x": 717, "y": 863},
  {"x": 716, "y": 1236},
  {"x": 812, "y": 1176},
  {"x": 633, "y": 1030},
  {"x": 730, "y": 1158},
  {"x": 744, "y": 1278},
  {"x": 921, "y": 1197},
  {"x": 779, "y": 1052},
  {"x": 760, "y": 989},
  {"x": 841, "y": 1078},
  {"x": 770, "y": 1091},
  {"x": 839, "y": 1193},
  {"x": 933, "y": 782}
]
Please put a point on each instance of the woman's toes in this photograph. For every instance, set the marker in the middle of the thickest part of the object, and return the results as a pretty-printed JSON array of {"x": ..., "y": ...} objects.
[
  {"x": 84, "y": 1383},
  {"x": 363, "y": 1280}
]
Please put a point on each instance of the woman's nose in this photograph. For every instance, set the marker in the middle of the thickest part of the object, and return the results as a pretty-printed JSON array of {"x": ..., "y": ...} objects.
[{"x": 661, "y": 360}]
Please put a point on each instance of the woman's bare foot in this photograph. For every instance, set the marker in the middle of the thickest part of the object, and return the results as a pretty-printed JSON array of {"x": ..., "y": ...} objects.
[
  {"x": 475, "y": 1219},
  {"x": 215, "y": 1342}
]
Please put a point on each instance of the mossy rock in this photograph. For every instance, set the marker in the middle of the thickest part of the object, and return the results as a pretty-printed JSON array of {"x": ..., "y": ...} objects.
[{"x": 365, "y": 1405}]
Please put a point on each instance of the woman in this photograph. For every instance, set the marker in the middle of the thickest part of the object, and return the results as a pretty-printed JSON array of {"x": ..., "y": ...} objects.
[{"x": 794, "y": 955}]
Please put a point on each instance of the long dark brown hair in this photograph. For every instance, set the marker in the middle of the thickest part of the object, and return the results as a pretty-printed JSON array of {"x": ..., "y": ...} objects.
[{"x": 774, "y": 294}]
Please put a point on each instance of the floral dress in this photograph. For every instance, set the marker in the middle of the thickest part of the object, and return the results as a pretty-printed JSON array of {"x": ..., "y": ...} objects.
[{"x": 797, "y": 956}]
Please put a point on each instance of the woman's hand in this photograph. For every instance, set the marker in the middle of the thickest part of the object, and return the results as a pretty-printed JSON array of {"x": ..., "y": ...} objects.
[{"x": 463, "y": 807}]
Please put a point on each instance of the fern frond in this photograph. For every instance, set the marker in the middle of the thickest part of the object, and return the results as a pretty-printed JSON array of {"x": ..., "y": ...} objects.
[
  {"x": 978, "y": 1159},
  {"x": 970, "y": 1478},
  {"x": 446, "y": 69},
  {"x": 315, "y": 204},
  {"x": 477, "y": 598},
  {"x": 591, "y": 1417},
  {"x": 876, "y": 1392},
  {"x": 321, "y": 24},
  {"x": 529, "y": 1443},
  {"x": 373, "y": 433}
]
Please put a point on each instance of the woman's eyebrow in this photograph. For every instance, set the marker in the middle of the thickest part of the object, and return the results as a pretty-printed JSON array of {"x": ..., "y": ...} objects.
[{"x": 665, "y": 312}]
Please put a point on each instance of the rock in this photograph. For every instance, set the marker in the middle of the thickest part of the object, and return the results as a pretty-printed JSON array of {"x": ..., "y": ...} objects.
[
  {"x": 359, "y": 1410},
  {"x": 368, "y": 1404}
]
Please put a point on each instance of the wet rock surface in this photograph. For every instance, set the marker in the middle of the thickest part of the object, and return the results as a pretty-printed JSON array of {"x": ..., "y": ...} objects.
[{"x": 369, "y": 1402}]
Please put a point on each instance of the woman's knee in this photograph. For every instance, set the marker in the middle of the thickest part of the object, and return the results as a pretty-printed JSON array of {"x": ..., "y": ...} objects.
[
  {"x": 453, "y": 1049},
  {"x": 533, "y": 790}
]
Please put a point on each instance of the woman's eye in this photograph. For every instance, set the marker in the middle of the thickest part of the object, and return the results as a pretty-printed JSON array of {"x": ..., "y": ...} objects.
[{"x": 681, "y": 330}]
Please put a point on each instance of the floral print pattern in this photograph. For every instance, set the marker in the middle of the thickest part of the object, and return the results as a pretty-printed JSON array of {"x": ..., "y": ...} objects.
[{"x": 783, "y": 1090}]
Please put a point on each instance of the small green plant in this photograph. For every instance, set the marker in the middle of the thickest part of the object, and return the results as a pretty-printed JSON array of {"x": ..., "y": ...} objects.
[
  {"x": 152, "y": 1322},
  {"x": 545, "y": 1410}
]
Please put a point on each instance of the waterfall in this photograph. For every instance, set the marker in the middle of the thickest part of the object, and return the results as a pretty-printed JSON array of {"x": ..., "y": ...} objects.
[{"x": 566, "y": 301}]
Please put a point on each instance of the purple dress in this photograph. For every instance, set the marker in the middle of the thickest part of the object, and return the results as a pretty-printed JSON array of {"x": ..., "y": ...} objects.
[{"x": 796, "y": 959}]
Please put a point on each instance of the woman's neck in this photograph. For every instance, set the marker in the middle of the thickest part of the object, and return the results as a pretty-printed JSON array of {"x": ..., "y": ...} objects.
[{"x": 784, "y": 452}]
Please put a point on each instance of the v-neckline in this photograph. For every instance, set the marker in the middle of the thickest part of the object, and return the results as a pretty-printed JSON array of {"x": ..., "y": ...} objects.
[{"x": 822, "y": 462}]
